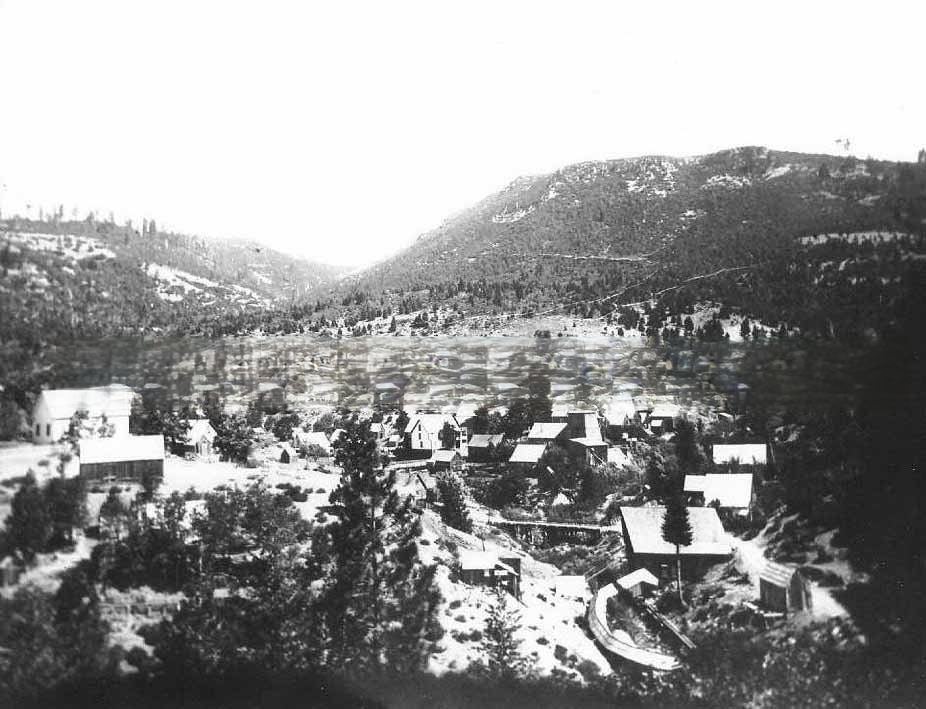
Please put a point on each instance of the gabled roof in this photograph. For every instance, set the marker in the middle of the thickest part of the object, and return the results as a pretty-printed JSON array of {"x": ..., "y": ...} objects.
[
  {"x": 745, "y": 453},
  {"x": 200, "y": 429},
  {"x": 732, "y": 490},
  {"x": 637, "y": 577},
  {"x": 484, "y": 440},
  {"x": 474, "y": 560},
  {"x": 120, "y": 449},
  {"x": 443, "y": 456},
  {"x": 527, "y": 452},
  {"x": 546, "y": 431},
  {"x": 665, "y": 411},
  {"x": 308, "y": 438},
  {"x": 589, "y": 442},
  {"x": 776, "y": 574},
  {"x": 430, "y": 423},
  {"x": 113, "y": 400},
  {"x": 644, "y": 527},
  {"x": 618, "y": 410}
]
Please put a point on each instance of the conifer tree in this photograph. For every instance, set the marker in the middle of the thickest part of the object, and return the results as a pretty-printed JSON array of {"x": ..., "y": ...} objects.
[
  {"x": 454, "y": 512},
  {"x": 503, "y": 660},
  {"x": 29, "y": 526},
  {"x": 676, "y": 529},
  {"x": 379, "y": 601}
]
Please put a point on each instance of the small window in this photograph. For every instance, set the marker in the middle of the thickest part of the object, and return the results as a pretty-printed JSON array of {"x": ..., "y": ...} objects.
[
  {"x": 48, "y": 429},
  {"x": 38, "y": 429}
]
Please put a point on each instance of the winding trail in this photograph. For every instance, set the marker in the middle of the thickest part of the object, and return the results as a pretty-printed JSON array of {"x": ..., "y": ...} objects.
[{"x": 618, "y": 642}]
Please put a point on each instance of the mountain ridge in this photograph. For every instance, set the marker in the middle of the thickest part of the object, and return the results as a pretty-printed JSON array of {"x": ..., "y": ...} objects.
[{"x": 743, "y": 208}]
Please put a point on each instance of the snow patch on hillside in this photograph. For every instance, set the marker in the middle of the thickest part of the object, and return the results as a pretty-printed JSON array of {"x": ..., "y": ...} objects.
[
  {"x": 730, "y": 182},
  {"x": 171, "y": 277},
  {"x": 517, "y": 215},
  {"x": 855, "y": 237},
  {"x": 778, "y": 172},
  {"x": 70, "y": 246}
]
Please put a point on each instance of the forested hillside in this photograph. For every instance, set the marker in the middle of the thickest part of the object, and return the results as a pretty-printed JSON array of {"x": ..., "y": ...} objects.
[
  {"x": 85, "y": 278},
  {"x": 821, "y": 243}
]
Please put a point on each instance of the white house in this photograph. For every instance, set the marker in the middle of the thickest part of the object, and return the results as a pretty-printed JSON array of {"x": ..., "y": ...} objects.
[
  {"x": 51, "y": 416},
  {"x": 424, "y": 432},
  {"x": 200, "y": 437}
]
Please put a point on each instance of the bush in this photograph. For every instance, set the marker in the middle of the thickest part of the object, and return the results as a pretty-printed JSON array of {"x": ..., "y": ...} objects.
[
  {"x": 560, "y": 653},
  {"x": 542, "y": 641}
]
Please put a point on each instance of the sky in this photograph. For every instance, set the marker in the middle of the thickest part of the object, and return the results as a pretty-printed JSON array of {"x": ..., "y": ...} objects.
[{"x": 340, "y": 131}]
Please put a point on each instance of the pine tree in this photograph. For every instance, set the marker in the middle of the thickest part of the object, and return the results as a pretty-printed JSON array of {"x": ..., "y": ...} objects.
[
  {"x": 503, "y": 660},
  {"x": 454, "y": 512},
  {"x": 29, "y": 526},
  {"x": 676, "y": 529},
  {"x": 379, "y": 602}
]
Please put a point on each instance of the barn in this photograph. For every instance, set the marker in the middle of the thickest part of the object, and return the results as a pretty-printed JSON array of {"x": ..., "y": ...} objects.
[
  {"x": 121, "y": 458},
  {"x": 784, "y": 589}
]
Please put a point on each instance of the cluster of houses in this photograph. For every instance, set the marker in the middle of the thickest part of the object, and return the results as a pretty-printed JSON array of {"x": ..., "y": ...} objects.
[{"x": 107, "y": 451}]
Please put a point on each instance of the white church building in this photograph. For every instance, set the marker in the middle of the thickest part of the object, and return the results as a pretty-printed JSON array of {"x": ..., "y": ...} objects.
[{"x": 52, "y": 413}]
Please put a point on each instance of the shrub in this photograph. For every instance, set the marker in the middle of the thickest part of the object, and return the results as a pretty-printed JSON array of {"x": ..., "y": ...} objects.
[
  {"x": 559, "y": 652},
  {"x": 455, "y": 604},
  {"x": 542, "y": 641}
]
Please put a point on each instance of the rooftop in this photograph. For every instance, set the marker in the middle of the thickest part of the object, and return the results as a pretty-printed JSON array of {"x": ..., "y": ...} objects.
[
  {"x": 484, "y": 440},
  {"x": 776, "y": 574},
  {"x": 121, "y": 449},
  {"x": 644, "y": 527},
  {"x": 113, "y": 400},
  {"x": 527, "y": 453},
  {"x": 745, "y": 453},
  {"x": 546, "y": 431},
  {"x": 637, "y": 577},
  {"x": 731, "y": 490}
]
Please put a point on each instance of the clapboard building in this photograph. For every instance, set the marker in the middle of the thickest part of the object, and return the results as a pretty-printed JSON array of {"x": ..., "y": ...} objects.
[
  {"x": 125, "y": 458},
  {"x": 51, "y": 415}
]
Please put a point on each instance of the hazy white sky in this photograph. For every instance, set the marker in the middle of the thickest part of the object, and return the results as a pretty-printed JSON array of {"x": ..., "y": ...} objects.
[{"x": 341, "y": 130}]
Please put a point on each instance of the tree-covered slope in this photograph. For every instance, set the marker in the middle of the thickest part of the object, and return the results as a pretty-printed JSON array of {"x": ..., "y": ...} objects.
[
  {"x": 88, "y": 278},
  {"x": 593, "y": 236}
]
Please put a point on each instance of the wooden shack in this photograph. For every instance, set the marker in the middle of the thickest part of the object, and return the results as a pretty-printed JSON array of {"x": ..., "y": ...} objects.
[{"x": 784, "y": 589}]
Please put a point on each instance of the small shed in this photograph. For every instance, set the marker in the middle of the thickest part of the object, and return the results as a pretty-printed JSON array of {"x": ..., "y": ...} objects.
[
  {"x": 481, "y": 446},
  {"x": 287, "y": 454},
  {"x": 784, "y": 589},
  {"x": 445, "y": 460},
  {"x": 9, "y": 571},
  {"x": 638, "y": 583},
  {"x": 487, "y": 568}
]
